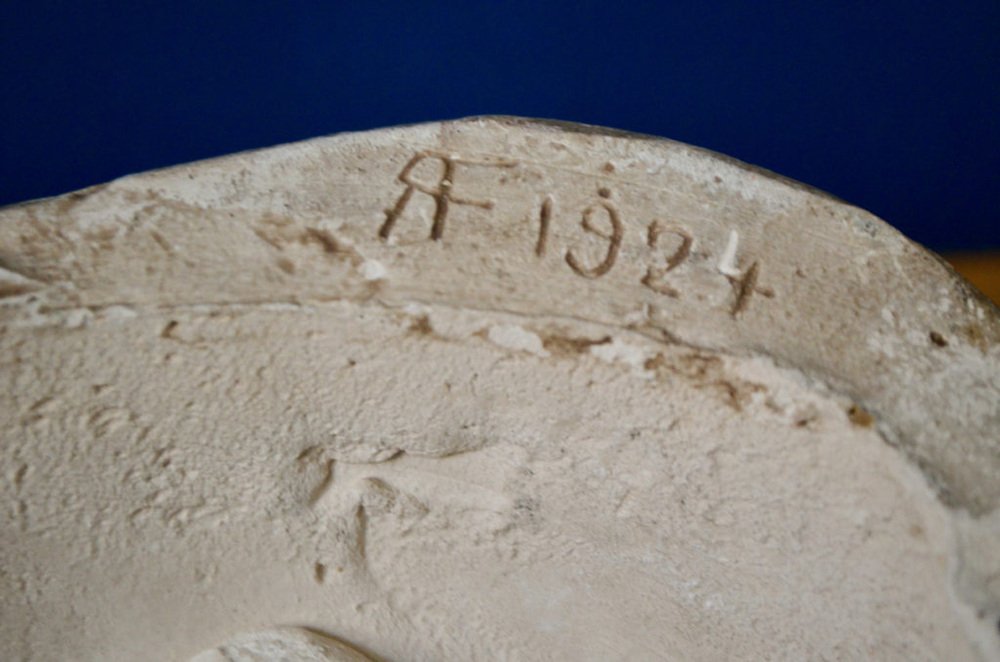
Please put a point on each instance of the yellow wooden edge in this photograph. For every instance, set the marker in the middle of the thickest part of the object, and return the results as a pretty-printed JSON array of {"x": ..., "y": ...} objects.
[{"x": 980, "y": 269}]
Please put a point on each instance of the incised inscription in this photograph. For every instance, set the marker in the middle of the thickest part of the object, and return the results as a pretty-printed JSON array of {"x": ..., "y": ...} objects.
[{"x": 670, "y": 242}]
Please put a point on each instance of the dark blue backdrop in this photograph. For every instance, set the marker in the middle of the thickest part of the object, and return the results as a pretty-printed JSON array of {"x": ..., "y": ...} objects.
[{"x": 893, "y": 106}]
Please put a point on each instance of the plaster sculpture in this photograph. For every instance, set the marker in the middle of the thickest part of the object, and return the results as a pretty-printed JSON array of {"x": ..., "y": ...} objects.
[{"x": 490, "y": 389}]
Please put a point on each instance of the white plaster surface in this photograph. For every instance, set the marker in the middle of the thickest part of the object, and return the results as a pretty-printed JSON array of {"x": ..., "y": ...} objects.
[{"x": 272, "y": 407}]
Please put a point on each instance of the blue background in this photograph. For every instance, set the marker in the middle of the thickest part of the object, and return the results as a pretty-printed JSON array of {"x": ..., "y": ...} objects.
[{"x": 893, "y": 106}]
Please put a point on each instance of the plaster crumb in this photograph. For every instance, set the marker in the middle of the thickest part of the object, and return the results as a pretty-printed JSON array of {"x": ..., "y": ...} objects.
[
  {"x": 76, "y": 318},
  {"x": 118, "y": 313},
  {"x": 727, "y": 262},
  {"x": 618, "y": 351},
  {"x": 518, "y": 338},
  {"x": 373, "y": 270},
  {"x": 414, "y": 308}
]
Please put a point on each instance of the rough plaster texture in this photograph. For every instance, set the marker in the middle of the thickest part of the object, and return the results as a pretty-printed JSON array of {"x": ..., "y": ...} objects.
[{"x": 490, "y": 389}]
